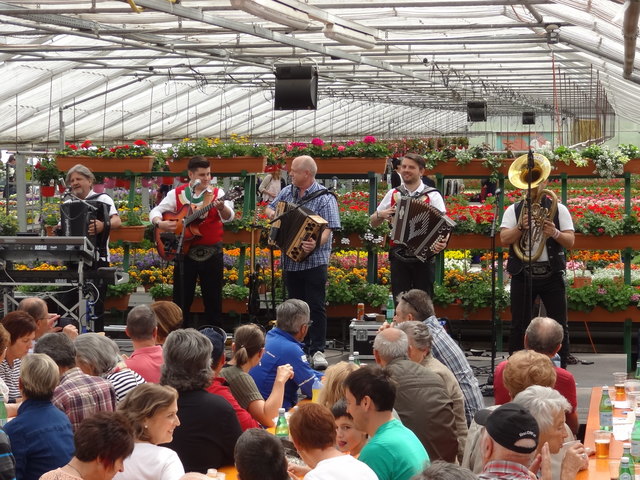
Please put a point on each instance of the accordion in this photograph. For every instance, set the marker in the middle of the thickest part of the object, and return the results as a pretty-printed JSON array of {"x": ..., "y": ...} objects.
[
  {"x": 75, "y": 217},
  {"x": 295, "y": 225},
  {"x": 417, "y": 226}
]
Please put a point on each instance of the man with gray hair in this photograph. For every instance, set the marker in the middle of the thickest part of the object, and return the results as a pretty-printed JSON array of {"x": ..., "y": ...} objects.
[
  {"x": 306, "y": 280},
  {"x": 420, "y": 352},
  {"x": 283, "y": 345},
  {"x": 38, "y": 309},
  {"x": 142, "y": 329},
  {"x": 421, "y": 398},
  {"x": 544, "y": 335}
]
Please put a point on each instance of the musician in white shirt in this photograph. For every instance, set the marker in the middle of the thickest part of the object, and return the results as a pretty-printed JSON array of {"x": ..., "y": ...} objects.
[{"x": 410, "y": 273}]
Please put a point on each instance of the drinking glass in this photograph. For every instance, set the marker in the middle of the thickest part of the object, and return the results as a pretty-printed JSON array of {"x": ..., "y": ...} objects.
[
  {"x": 619, "y": 379},
  {"x": 614, "y": 469},
  {"x": 632, "y": 390},
  {"x": 602, "y": 439}
]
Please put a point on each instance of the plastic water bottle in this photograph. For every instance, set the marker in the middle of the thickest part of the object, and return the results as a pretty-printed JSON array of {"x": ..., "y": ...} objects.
[
  {"x": 351, "y": 359},
  {"x": 635, "y": 438},
  {"x": 391, "y": 309},
  {"x": 606, "y": 410},
  {"x": 282, "y": 427},
  {"x": 625, "y": 470},
  {"x": 638, "y": 370},
  {"x": 356, "y": 358},
  {"x": 315, "y": 390}
]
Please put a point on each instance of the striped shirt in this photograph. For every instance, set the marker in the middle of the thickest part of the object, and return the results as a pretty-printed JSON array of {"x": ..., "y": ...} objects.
[
  {"x": 123, "y": 380},
  {"x": 79, "y": 395},
  {"x": 327, "y": 207},
  {"x": 11, "y": 375}
]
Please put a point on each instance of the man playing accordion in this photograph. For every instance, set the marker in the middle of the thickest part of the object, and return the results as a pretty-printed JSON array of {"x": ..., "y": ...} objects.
[{"x": 410, "y": 272}]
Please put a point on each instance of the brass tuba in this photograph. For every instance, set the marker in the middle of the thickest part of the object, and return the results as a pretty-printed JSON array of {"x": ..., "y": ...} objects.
[{"x": 519, "y": 175}]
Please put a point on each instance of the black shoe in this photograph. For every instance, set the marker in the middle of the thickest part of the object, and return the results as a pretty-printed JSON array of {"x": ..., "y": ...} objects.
[{"x": 571, "y": 360}]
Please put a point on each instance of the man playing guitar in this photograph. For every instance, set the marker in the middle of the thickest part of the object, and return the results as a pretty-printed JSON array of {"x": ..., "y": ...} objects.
[{"x": 202, "y": 255}]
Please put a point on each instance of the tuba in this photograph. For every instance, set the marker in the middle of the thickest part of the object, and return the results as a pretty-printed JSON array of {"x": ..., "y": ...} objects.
[{"x": 519, "y": 176}]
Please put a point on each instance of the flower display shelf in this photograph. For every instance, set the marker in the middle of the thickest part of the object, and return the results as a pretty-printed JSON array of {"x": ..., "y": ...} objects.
[
  {"x": 456, "y": 312},
  {"x": 117, "y": 303},
  {"x": 470, "y": 241},
  {"x": 234, "y": 305},
  {"x": 107, "y": 165},
  {"x": 599, "y": 314},
  {"x": 344, "y": 310},
  {"x": 133, "y": 234},
  {"x": 606, "y": 242},
  {"x": 348, "y": 165},
  {"x": 239, "y": 237},
  {"x": 474, "y": 168},
  {"x": 224, "y": 164}
]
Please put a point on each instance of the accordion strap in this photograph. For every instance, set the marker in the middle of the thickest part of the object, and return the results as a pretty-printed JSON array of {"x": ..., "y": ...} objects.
[{"x": 426, "y": 191}]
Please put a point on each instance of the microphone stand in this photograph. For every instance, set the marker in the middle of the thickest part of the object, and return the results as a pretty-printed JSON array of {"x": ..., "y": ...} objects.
[
  {"x": 488, "y": 390},
  {"x": 528, "y": 276}
]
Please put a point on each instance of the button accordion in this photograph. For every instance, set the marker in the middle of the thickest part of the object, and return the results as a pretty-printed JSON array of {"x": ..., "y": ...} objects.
[
  {"x": 418, "y": 226},
  {"x": 295, "y": 225}
]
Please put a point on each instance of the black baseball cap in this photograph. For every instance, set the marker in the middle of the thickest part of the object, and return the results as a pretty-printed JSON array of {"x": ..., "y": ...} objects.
[
  {"x": 508, "y": 425},
  {"x": 217, "y": 336}
]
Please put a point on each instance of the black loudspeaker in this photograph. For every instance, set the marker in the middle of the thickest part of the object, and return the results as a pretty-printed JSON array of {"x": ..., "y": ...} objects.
[
  {"x": 296, "y": 87},
  {"x": 477, "y": 111},
  {"x": 528, "y": 118}
]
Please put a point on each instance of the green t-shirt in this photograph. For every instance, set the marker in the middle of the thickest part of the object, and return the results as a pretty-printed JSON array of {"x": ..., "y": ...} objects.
[{"x": 394, "y": 452}]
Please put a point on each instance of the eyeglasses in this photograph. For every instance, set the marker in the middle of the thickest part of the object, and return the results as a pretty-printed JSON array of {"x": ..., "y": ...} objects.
[
  {"x": 404, "y": 298},
  {"x": 309, "y": 323}
]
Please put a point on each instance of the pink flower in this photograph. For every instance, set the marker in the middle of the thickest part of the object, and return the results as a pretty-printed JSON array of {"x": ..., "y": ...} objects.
[
  {"x": 341, "y": 148},
  {"x": 299, "y": 144},
  {"x": 289, "y": 147},
  {"x": 369, "y": 139},
  {"x": 318, "y": 142},
  {"x": 350, "y": 143}
]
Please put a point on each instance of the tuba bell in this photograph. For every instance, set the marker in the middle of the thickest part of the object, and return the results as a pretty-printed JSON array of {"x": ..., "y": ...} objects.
[{"x": 519, "y": 175}]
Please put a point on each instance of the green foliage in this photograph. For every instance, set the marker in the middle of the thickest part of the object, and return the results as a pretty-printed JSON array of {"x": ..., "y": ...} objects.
[
  {"x": 8, "y": 225},
  {"x": 234, "y": 291},
  {"x": 46, "y": 171},
  {"x": 133, "y": 219},
  {"x": 122, "y": 289},
  {"x": 595, "y": 223},
  {"x": 582, "y": 299},
  {"x": 317, "y": 148},
  {"x": 610, "y": 295},
  {"x": 209, "y": 147},
  {"x": 351, "y": 291},
  {"x": 161, "y": 290},
  {"x": 138, "y": 148}
]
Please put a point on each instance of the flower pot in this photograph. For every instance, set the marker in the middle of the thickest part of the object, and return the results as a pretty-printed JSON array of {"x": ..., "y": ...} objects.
[
  {"x": 344, "y": 310},
  {"x": 51, "y": 230},
  {"x": 107, "y": 165},
  {"x": 197, "y": 306},
  {"x": 579, "y": 281},
  {"x": 456, "y": 312},
  {"x": 47, "y": 191},
  {"x": 599, "y": 314},
  {"x": 98, "y": 187},
  {"x": 239, "y": 237},
  {"x": 117, "y": 303},
  {"x": 234, "y": 305},
  {"x": 238, "y": 165},
  {"x": 167, "y": 180},
  {"x": 348, "y": 165},
  {"x": 605, "y": 242},
  {"x": 128, "y": 234},
  {"x": 123, "y": 183},
  {"x": 474, "y": 168}
]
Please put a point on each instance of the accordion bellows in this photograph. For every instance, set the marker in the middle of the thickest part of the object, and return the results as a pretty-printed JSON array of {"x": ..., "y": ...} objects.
[
  {"x": 296, "y": 225},
  {"x": 418, "y": 226}
]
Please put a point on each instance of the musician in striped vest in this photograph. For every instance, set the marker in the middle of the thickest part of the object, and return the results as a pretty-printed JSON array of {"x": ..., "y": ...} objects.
[{"x": 407, "y": 272}]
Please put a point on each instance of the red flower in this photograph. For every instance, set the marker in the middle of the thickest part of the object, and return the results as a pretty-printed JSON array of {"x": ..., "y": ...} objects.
[
  {"x": 350, "y": 143},
  {"x": 341, "y": 148},
  {"x": 38, "y": 166},
  {"x": 86, "y": 144},
  {"x": 141, "y": 143},
  {"x": 72, "y": 146},
  {"x": 369, "y": 139},
  {"x": 318, "y": 142}
]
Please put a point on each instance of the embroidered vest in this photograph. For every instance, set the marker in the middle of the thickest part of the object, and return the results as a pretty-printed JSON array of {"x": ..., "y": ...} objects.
[{"x": 211, "y": 227}]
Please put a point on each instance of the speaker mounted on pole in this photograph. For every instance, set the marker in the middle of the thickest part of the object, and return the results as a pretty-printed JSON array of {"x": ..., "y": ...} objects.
[
  {"x": 477, "y": 111},
  {"x": 296, "y": 87},
  {"x": 528, "y": 118}
]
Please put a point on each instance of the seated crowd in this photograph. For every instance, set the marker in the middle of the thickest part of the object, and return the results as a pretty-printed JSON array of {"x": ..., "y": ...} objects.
[{"x": 177, "y": 404}]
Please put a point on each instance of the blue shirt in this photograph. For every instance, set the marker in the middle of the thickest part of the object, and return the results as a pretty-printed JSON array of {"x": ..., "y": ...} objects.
[
  {"x": 41, "y": 439},
  {"x": 281, "y": 348},
  {"x": 327, "y": 207}
]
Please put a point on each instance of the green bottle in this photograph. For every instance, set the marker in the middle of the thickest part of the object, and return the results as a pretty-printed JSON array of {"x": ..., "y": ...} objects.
[
  {"x": 391, "y": 309},
  {"x": 282, "y": 427},
  {"x": 626, "y": 452},
  {"x": 3, "y": 413},
  {"x": 635, "y": 438},
  {"x": 625, "y": 470},
  {"x": 638, "y": 370},
  {"x": 356, "y": 358},
  {"x": 606, "y": 410}
]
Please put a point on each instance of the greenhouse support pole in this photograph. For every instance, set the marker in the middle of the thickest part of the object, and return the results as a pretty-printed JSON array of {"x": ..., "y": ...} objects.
[{"x": 372, "y": 257}]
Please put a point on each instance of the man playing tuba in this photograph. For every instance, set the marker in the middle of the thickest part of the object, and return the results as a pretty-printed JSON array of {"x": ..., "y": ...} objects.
[{"x": 536, "y": 250}]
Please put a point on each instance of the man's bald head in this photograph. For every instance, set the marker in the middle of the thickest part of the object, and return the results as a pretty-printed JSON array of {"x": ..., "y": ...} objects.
[
  {"x": 390, "y": 344},
  {"x": 37, "y": 308},
  {"x": 544, "y": 335}
]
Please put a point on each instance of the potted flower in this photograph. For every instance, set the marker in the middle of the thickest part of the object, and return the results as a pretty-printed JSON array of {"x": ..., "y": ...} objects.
[
  {"x": 469, "y": 292},
  {"x": 118, "y": 295},
  {"x": 357, "y": 232},
  {"x": 47, "y": 174},
  {"x": 136, "y": 157},
  {"x": 234, "y": 298},
  {"x": 132, "y": 229},
  {"x": 8, "y": 224},
  {"x": 161, "y": 291}
]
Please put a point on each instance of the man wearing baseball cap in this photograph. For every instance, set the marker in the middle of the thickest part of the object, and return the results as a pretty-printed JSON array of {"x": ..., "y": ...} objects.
[{"x": 510, "y": 439}]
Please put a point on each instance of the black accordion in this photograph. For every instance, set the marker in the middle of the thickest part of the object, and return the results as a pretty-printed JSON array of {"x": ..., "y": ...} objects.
[
  {"x": 75, "y": 217},
  {"x": 295, "y": 225},
  {"x": 417, "y": 226}
]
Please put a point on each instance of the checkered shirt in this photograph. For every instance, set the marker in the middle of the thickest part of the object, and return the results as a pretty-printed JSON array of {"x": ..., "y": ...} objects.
[{"x": 503, "y": 470}]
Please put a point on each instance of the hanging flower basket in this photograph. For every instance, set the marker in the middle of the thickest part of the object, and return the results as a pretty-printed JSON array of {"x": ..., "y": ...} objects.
[
  {"x": 224, "y": 164},
  {"x": 47, "y": 191},
  {"x": 107, "y": 165},
  {"x": 167, "y": 180},
  {"x": 123, "y": 183},
  {"x": 128, "y": 234},
  {"x": 348, "y": 165},
  {"x": 98, "y": 187}
]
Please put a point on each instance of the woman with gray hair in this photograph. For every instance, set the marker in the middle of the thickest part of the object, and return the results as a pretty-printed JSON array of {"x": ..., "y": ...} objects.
[
  {"x": 209, "y": 426},
  {"x": 548, "y": 407},
  {"x": 100, "y": 356},
  {"x": 41, "y": 435}
]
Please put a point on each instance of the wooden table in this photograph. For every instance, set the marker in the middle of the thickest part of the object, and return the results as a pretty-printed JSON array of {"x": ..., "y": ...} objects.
[{"x": 598, "y": 468}]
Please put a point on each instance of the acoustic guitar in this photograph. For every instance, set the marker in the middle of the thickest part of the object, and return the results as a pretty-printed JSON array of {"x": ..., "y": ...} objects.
[{"x": 188, "y": 219}]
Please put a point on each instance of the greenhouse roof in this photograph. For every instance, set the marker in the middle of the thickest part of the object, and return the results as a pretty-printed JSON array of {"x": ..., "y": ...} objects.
[{"x": 199, "y": 68}]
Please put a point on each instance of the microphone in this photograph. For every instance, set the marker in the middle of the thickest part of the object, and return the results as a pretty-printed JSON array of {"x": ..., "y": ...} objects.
[
  {"x": 196, "y": 182},
  {"x": 67, "y": 188},
  {"x": 498, "y": 192}
]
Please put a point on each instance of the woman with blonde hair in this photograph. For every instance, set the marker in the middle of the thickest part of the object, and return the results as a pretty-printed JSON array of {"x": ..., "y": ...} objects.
[
  {"x": 152, "y": 410},
  {"x": 247, "y": 348},
  {"x": 333, "y": 381},
  {"x": 169, "y": 316}
]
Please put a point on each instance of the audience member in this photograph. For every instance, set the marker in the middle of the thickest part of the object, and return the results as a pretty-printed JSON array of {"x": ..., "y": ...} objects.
[
  {"x": 219, "y": 385},
  {"x": 142, "y": 329},
  {"x": 247, "y": 348},
  {"x": 209, "y": 427},
  {"x": 169, "y": 317},
  {"x": 152, "y": 411},
  {"x": 333, "y": 383},
  {"x": 313, "y": 432},
  {"x": 548, "y": 407},
  {"x": 420, "y": 352},
  {"x": 283, "y": 347},
  {"x": 544, "y": 335},
  {"x": 22, "y": 330},
  {"x": 417, "y": 305},
  {"x": 78, "y": 395},
  {"x": 441, "y": 470},
  {"x": 511, "y": 437},
  {"x": 393, "y": 451},
  {"x": 41, "y": 435},
  {"x": 46, "y": 322},
  {"x": 348, "y": 438},
  {"x": 102, "y": 442},
  {"x": 7, "y": 460},
  {"x": 5, "y": 341},
  {"x": 260, "y": 456},
  {"x": 100, "y": 356},
  {"x": 421, "y": 399}
]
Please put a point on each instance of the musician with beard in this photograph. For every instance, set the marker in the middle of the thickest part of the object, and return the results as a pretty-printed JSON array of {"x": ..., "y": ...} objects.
[
  {"x": 410, "y": 272},
  {"x": 203, "y": 260}
]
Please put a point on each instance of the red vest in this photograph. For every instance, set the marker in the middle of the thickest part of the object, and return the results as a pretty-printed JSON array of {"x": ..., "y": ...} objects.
[{"x": 211, "y": 227}]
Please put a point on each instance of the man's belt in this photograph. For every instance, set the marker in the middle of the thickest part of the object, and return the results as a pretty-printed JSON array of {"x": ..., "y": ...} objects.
[
  {"x": 538, "y": 269},
  {"x": 202, "y": 253}
]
